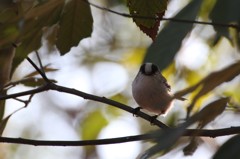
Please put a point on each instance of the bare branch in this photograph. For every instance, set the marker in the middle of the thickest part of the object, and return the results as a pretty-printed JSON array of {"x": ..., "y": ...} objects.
[
  {"x": 159, "y": 18},
  {"x": 39, "y": 61},
  {"x": 26, "y": 102},
  {"x": 189, "y": 132},
  {"x": 51, "y": 86},
  {"x": 39, "y": 71}
]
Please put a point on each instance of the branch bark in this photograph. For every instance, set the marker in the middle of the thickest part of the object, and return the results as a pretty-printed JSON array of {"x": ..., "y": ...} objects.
[{"x": 189, "y": 132}]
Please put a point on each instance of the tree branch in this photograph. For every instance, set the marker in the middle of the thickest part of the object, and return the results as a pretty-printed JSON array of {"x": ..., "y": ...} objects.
[
  {"x": 51, "y": 86},
  {"x": 189, "y": 132},
  {"x": 41, "y": 72},
  {"x": 159, "y": 18}
]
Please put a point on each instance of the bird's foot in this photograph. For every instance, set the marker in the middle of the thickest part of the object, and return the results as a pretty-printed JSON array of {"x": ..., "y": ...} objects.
[
  {"x": 153, "y": 118},
  {"x": 136, "y": 110}
]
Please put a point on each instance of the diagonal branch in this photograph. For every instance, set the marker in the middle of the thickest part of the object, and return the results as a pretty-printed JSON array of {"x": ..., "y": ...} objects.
[
  {"x": 51, "y": 86},
  {"x": 39, "y": 71}
]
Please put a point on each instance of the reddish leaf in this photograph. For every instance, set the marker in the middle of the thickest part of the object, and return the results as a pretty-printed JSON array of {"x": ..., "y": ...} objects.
[{"x": 147, "y": 15}]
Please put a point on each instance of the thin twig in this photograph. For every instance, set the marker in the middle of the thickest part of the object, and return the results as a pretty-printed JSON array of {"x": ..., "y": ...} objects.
[
  {"x": 162, "y": 18},
  {"x": 39, "y": 61},
  {"x": 26, "y": 102},
  {"x": 39, "y": 71},
  {"x": 51, "y": 86}
]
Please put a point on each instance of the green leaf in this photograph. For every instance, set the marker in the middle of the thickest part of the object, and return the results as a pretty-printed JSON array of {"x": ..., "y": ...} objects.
[
  {"x": 230, "y": 149},
  {"x": 32, "y": 26},
  {"x": 163, "y": 49},
  {"x": 143, "y": 8},
  {"x": 75, "y": 24},
  {"x": 3, "y": 124},
  {"x": 2, "y": 106},
  {"x": 166, "y": 139},
  {"x": 213, "y": 80},
  {"x": 8, "y": 15},
  {"x": 225, "y": 12},
  {"x": 33, "y": 82},
  {"x": 4, "y": 121},
  {"x": 210, "y": 112},
  {"x": 8, "y": 33},
  {"x": 45, "y": 69},
  {"x": 5, "y": 4}
]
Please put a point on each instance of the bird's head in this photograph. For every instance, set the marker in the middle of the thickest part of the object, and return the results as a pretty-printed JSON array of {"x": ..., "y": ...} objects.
[{"x": 149, "y": 69}]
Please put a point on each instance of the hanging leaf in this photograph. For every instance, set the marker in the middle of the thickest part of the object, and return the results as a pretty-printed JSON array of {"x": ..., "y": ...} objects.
[
  {"x": 210, "y": 82},
  {"x": 230, "y": 149},
  {"x": 34, "y": 82},
  {"x": 32, "y": 25},
  {"x": 3, "y": 124},
  {"x": 211, "y": 111},
  {"x": 4, "y": 121},
  {"x": 191, "y": 147},
  {"x": 75, "y": 24},
  {"x": 45, "y": 69},
  {"x": 213, "y": 80},
  {"x": 166, "y": 138},
  {"x": 152, "y": 10},
  {"x": 162, "y": 51},
  {"x": 225, "y": 12}
]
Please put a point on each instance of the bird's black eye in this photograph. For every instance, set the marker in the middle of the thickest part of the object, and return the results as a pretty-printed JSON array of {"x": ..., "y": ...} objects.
[
  {"x": 154, "y": 68},
  {"x": 148, "y": 69},
  {"x": 142, "y": 68}
]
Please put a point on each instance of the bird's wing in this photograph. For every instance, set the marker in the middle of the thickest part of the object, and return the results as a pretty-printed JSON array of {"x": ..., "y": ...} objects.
[{"x": 166, "y": 83}]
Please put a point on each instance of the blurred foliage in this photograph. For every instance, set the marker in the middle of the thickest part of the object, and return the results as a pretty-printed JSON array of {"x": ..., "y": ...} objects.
[
  {"x": 210, "y": 82},
  {"x": 75, "y": 24},
  {"x": 167, "y": 138},
  {"x": 91, "y": 126},
  {"x": 162, "y": 51},
  {"x": 226, "y": 12},
  {"x": 230, "y": 149},
  {"x": 95, "y": 118},
  {"x": 23, "y": 24}
]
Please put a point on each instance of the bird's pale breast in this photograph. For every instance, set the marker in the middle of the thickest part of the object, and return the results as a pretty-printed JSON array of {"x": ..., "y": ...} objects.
[{"x": 151, "y": 95}]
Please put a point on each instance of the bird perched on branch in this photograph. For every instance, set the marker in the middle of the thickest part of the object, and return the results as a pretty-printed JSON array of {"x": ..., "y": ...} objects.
[{"x": 151, "y": 90}]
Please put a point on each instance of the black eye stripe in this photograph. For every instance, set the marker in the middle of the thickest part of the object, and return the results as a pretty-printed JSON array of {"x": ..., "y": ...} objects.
[
  {"x": 154, "y": 68},
  {"x": 142, "y": 68}
]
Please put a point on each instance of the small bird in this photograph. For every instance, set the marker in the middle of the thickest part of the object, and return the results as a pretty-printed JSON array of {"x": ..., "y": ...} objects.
[{"x": 151, "y": 90}]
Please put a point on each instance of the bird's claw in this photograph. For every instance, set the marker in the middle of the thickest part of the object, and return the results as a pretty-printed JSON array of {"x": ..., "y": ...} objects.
[
  {"x": 136, "y": 110},
  {"x": 153, "y": 118}
]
